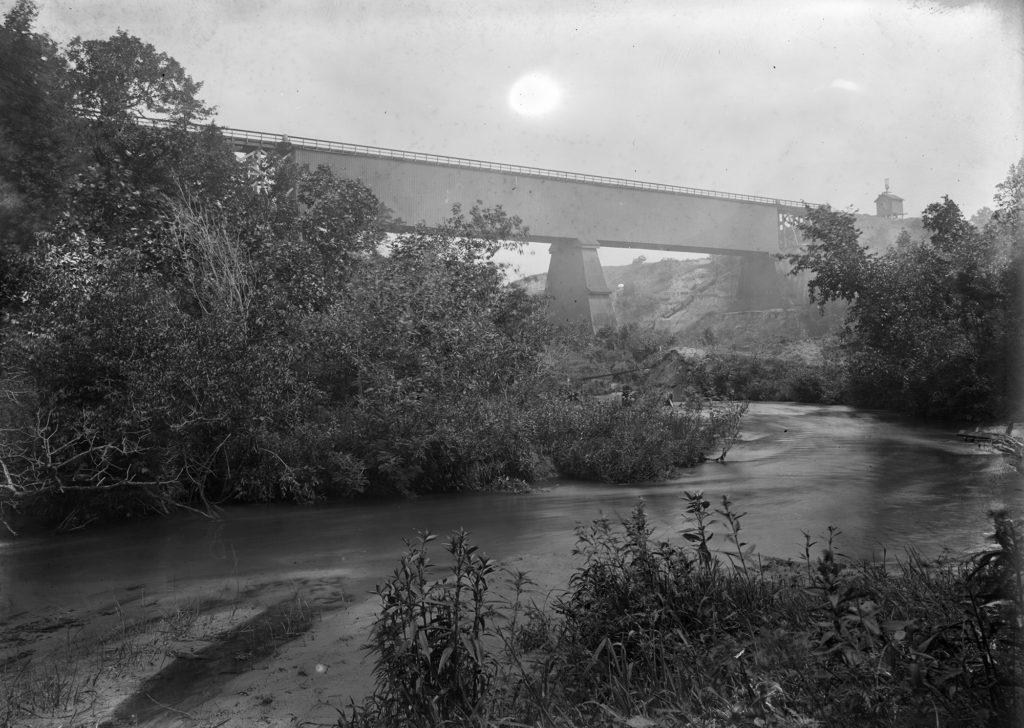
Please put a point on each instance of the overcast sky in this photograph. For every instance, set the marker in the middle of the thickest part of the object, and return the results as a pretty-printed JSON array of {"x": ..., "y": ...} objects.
[{"x": 801, "y": 99}]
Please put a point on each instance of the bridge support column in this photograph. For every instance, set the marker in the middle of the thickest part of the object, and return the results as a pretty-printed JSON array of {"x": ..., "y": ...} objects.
[
  {"x": 576, "y": 285},
  {"x": 761, "y": 285}
]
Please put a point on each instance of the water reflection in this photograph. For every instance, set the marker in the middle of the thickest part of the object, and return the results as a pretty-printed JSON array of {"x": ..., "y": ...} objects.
[{"x": 884, "y": 480}]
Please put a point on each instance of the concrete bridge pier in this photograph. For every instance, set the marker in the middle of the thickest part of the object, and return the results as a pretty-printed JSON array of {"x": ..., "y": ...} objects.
[
  {"x": 580, "y": 293},
  {"x": 576, "y": 285},
  {"x": 761, "y": 286}
]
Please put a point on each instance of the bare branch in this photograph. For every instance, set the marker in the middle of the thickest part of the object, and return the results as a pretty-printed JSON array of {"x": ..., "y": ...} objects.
[{"x": 218, "y": 269}]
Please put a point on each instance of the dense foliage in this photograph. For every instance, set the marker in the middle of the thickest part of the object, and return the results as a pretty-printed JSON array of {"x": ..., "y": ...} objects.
[
  {"x": 183, "y": 324},
  {"x": 643, "y": 441},
  {"x": 255, "y": 361},
  {"x": 654, "y": 632},
  {"x": 933, "y": 325},
  {"x": 763, "y": 374}
]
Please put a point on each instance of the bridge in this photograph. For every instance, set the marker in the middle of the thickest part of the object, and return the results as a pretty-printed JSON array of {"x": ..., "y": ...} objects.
[{"x": 576, "y": 213}]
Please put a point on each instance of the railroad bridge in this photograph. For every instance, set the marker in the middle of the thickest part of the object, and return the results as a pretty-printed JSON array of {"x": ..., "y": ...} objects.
[{"x": 577, "y": 214}]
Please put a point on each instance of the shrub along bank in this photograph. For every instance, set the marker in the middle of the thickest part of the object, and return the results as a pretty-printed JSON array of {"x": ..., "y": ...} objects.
[
  {"x": 758, "y": 377},
  {"x": 181, "y": 327},
  {"x": 761, "y": 375},
  {"x": 642, "y": 441},
  {"x": 252, "y": 370},
  {"x": 656, "y": 633}
]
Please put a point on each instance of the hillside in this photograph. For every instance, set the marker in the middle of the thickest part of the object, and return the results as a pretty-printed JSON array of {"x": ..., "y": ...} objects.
[{"x": 687, "y": 297}]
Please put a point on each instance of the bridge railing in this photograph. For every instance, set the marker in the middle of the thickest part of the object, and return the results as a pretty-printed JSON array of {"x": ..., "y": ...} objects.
[{"x": 264, "y": 139}]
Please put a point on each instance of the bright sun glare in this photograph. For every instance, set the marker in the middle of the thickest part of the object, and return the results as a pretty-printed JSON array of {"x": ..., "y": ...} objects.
[{"x": 534, "y": 94}]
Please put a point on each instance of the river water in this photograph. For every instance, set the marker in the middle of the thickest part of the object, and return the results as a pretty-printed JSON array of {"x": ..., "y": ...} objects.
[{"x": 887, "y": 481}]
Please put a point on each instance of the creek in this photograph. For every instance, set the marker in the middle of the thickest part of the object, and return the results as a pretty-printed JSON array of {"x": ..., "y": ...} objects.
[{"x": 887, "y": 481}]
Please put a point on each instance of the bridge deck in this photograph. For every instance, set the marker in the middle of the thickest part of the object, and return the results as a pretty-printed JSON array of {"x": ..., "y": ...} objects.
[
  {"x": 579, "y": 213},
  {"x": 265, "y": 140},
  {"x": 555, "y": 205}
]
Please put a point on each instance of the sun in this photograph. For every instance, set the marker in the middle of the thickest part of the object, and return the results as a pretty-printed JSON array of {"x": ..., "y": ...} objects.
[{"x": 534, "y": 94}]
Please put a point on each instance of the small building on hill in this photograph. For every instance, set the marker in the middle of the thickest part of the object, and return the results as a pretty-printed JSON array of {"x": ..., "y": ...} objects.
[{"x": 889, "y": 205}]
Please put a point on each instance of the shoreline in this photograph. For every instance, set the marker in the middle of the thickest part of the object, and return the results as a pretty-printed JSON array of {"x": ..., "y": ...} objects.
[
  {"x": 118, "y": 652},
  {"x": 187, "y": 664},
  {"x": 277, "y": 654}
]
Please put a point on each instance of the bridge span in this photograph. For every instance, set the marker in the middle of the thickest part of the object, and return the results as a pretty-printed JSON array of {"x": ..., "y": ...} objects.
[{"x": 577, "y": 213}]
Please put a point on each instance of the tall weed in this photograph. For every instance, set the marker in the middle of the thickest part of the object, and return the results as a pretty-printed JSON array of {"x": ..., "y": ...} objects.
[
  {"x": 644, "y": 441},
  {"x": 432, "y": 665},
  {"x": 652, "y": 633}
]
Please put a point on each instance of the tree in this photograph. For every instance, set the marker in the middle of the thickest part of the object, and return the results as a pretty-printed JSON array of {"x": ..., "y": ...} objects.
[
  {"x": 930, "y": 327},
  {"x": 122, "y": 80},
  {"x": 121, "y": 84},
  {"x": 436, "y": 313},
  {"x": 122, "y": 198},
  {"x": 840, "y": 265},
  {"x": 79, "y": 160},
  {"x": 118, "y": 87},
  {"x": 981, "y": 218},
  {"x": 343, "y": 220},
  {"x": 1009, "y": 197},
  {"x": 36, "y": 152}
]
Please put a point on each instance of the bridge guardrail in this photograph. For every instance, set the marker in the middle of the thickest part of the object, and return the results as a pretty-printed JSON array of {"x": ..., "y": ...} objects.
[{"x": 261, "y": 138}]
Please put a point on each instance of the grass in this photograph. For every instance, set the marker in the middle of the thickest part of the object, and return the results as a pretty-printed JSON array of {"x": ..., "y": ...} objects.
[
  {"x": 57, "y": 687},
  {"x": 281, "y": 623},
  {"x": 652, "y": 632}
]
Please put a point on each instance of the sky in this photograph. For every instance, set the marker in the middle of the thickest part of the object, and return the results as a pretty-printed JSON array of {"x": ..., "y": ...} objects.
[{"x": 816, "y": 100}]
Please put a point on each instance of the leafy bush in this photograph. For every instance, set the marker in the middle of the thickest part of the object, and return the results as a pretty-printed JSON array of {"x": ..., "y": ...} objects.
[
  {"x": 250, "y": 368},
  {"x": 638, "y": 344},
  {"x": 651, "y": 633},
  {"x": 646, "y": 440},
  {"x": 595, "y": 365},
  {"x": 995, "y": 592},
  {"x": 431, "y": 443},
  {"x": 429, "y": 638},
  {"x": 189, "y": 327},
  {"x": 758, "y": 377},
  {"x": 648, "y": 627}
]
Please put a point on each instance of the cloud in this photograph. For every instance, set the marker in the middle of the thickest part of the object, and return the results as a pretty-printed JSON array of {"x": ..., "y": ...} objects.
[{"x": 842, "y": 83}]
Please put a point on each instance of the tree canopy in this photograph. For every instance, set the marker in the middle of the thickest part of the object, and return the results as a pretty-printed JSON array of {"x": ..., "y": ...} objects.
[
  {"x": 36, "y": 134},
  {"x": 932, "y": 325},
  {"x": 186, "y": 325},
  {"x": 122, "y": 80}
]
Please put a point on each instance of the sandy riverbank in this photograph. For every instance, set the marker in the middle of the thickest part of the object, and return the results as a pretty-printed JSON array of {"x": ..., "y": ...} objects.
[{"x": 261, "y": 657}]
